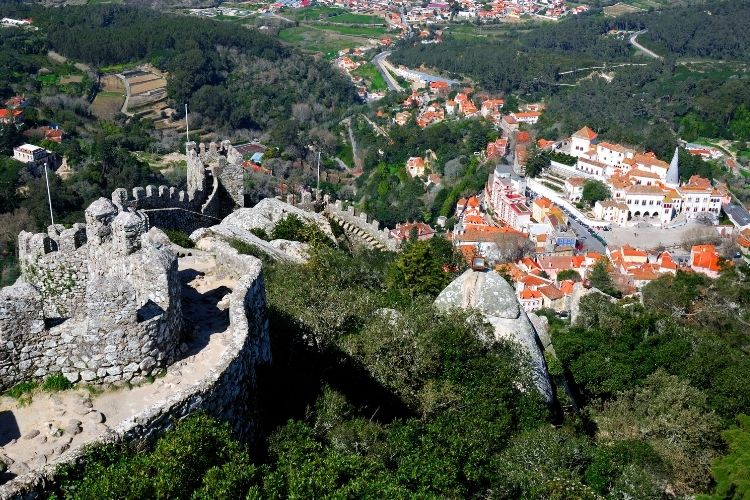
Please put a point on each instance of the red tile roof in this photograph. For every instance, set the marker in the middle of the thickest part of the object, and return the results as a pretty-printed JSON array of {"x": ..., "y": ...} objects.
[{"x": 586, "y": 133}]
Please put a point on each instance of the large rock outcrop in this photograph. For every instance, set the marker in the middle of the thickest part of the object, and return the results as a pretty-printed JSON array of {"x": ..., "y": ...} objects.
[
  {"x": 490, "y": 294},
  {"x": 269, "y": 212},
  {"x": 264, "y": 216}
]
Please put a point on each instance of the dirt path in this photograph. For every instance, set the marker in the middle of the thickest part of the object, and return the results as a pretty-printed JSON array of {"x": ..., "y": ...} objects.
[
  {"x": 41, "y": 431},
  {"x": 358, "y": 162}
]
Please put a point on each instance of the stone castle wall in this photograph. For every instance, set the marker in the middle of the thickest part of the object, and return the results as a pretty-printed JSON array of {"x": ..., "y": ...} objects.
[
  {"x": 226, "y": 393},
  {"x": 56, "y": 265},
  {"x": 215, "y": 186},
  {"x": 99, "y": 302},
  {"x": 359, "y": 229}
]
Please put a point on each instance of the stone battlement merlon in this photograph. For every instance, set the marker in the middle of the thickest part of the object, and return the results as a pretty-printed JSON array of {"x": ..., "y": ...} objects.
[
  {"x": 358, "y": 224},
  {"x": 150, "y": 197},
  {"x": 56, "y": 239}
]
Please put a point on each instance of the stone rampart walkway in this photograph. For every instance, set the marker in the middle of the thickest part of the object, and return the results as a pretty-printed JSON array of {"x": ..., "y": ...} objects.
[{"x": 34, "y": 434}]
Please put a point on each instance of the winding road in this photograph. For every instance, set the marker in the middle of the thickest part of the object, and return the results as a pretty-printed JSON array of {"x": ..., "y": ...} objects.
[
  {"x": 379, "y": 60},
  {"x": 634, "y": 42}
]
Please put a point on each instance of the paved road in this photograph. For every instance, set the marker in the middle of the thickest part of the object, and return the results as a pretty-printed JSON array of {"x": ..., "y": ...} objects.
[
  {"x": 389, "y": 80},
  {"x": 586, "y": 237},
  {"x": 634, "y": 42}
]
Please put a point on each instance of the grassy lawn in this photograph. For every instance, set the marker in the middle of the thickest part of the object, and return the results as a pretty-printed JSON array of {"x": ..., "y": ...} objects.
[
  {"x": 117, "y": 68},
  {"x": 470, "y": 32},
  {"x": 350, "y": 18},
  {"x": 375, "y": 80},
  {"x": 48, "y": 79}
]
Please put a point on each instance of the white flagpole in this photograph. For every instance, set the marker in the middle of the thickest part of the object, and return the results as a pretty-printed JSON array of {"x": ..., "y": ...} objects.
[
  {"x": 187, "y": 124},
  {"x": 49, "y": 196},
  {"x": 318, "y": 170}
]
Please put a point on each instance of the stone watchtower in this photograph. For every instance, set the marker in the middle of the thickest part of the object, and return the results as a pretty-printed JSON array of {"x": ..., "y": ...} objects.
[{"x": 98, "y": 302}]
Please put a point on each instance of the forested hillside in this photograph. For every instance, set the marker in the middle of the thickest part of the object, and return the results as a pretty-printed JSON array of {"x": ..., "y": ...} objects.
[
  {"x": 239, "y": 78},
  {"x": 713, "y": 30}
]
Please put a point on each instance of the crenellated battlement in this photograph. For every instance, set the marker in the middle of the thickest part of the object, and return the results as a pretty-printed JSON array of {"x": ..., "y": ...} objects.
[
  {"x": 98, "y": 301},
  {"x": 151, "y": 197},
  {"x": 358, "y": 225},
  {"x": 215, "y": 186}
]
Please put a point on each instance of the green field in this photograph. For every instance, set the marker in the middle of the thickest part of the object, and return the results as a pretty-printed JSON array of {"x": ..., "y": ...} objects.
[
  {"x": 117, "y": 68},
  {"x": 48, "y": 80},
  {"x": 350, "y": 18},
  {"x": 490, "y": 32},
  {"x": 317, "y": 40},
  {"x": 313, "y": 13},
  {"x": 354, "y": 30},
  {"x": 370, "y": 73}
]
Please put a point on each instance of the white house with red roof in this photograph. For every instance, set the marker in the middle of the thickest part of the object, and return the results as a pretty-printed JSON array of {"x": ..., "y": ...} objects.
[{"x": 415, "y": 166}]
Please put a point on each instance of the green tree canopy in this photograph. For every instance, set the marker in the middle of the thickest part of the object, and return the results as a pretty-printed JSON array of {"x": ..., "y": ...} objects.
[
  {"x": 732, "y": 472},
  {"x": 594, "y": 190}
]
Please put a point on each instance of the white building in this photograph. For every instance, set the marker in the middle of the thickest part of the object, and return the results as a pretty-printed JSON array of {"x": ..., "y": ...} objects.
[
  {"x": 581, "y": 141},
  {"x": 33, "y": 156},
  {"x": 574, "y": 188},
  {"x": 512, "y": 210},
  {"x": 611, "y": 211}
]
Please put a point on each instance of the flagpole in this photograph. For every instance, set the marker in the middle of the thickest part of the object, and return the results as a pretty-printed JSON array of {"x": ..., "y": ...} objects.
[
  {"x": 187, "y": 124},
  {"x": 49, "y": 196}
]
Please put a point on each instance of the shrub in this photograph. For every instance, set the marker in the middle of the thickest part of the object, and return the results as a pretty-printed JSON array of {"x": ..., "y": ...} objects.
[
  {"x": 197, "y": 448},
  {"x": 56, "y": 382},
  {"x": 246, "y": 248},
  {"x": 179, "y": 238},
  {"x": 260, "y": 233},
  {"x": 295, "y": 229}
]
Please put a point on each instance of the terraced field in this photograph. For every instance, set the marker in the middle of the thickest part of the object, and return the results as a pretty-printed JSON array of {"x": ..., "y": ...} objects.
[{"x": 109, "y": 100}]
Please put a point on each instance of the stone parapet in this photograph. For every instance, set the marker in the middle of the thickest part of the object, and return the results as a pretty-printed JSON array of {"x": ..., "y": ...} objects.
[
  {"x": 99, "y": 303},
  {"x": 225, "y": 393},
  {"x": 359, "y": 228}
]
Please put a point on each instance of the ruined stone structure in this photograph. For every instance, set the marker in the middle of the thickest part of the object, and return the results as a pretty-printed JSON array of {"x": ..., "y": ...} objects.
[
  {"x": 98, "y": 302},
  {"x": 359, "y": 229},
  {"x": 215, "y": 186}
]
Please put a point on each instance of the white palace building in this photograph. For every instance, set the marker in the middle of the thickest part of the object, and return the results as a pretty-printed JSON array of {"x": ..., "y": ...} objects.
[{"x": 643, "y": 187}]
